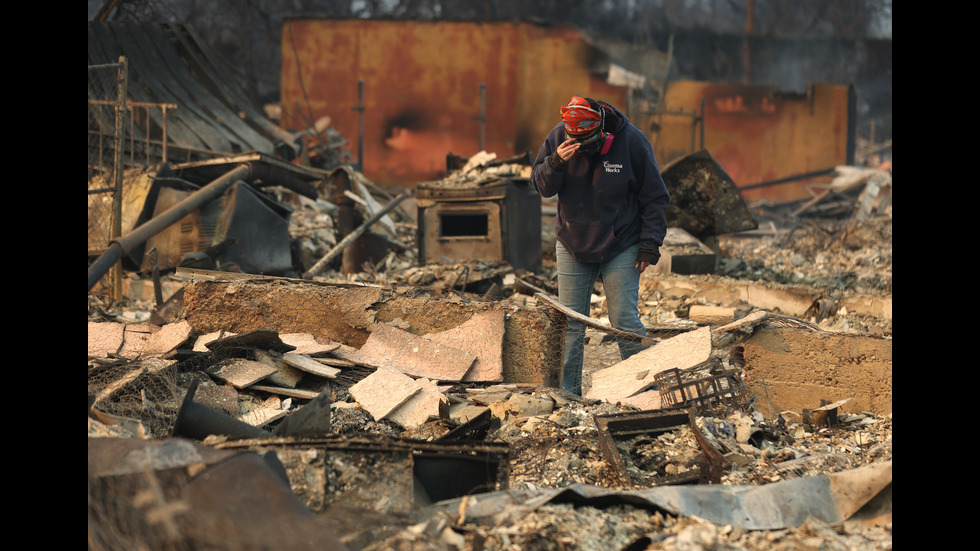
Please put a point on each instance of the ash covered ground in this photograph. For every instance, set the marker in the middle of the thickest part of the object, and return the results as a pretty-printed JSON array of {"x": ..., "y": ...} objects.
[{"x": 834, "y": 255}]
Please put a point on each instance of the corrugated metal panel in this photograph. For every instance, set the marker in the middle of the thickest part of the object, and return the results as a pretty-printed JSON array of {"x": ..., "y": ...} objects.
[{"x": 159, "y": 73}]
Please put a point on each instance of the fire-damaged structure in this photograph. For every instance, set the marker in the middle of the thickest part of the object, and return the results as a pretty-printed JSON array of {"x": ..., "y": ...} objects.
[
  {"x": 208, "y": 214},
  {"x": 775, "y": 140},
  {"x": 241, "y": 419},
  {"x": 487, "y": 212}
]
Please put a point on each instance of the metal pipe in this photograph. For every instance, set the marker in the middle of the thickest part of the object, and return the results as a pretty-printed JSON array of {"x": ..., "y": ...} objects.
[
  {"x": 747, "y": 43},
  {"x": 121, "y": 95},
  {"x": 702, "y": 122},
  {"x": 123, "y": 245},
  {"x": 694, "y": 130},
  {"x": 789, "y": 179},
  {"x": 482, "y": 117},
  {"x": 157, "y": 285},
  {"x": 697, "y": 120},
  {"x": 360, "y": 125},
  {"x": 339, "y": 247}
]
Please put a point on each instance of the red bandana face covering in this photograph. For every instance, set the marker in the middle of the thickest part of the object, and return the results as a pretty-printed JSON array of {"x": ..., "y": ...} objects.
[{"x": 580, "y": 119}]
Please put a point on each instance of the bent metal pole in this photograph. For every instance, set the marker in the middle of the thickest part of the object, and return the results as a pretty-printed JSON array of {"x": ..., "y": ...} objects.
[
  {"x": 322, "y": 263},
  {"x": 123, "y": 245}
]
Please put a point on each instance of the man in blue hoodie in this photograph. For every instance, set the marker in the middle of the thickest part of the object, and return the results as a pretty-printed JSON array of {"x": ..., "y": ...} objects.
[{"x": 610, "y": 221}]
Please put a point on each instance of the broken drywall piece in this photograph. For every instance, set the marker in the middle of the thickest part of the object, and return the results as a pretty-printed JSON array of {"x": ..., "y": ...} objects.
[
  {"x": 726, "y": 335},
  {"x": 426, "y": 404},
  {"x": 286, "y": 375},
  {"x": 751, "y": 319},
  {"x": 854, "y": 488},
  {"x": 479, "y": 159},
  {"x": 465, "y": 412},
  {"x": 384, "y": 390},
  {"x": 413, "y": 355},
  {"x": 644, "y": 401},
  {"x": 309, "y": 365},
  {"x": 636, "y": 373},
  {"x": 487, "y": 396},
  {"x": 283, "y": 391},
  {"x": 200, "y": 345},
  {"x": 482, "y": 335},
  {"x": 168, "y": 339},
  {"x": 306, "y": 343},
  {"x": 524, "y": 405},
  {"x": 242, "y": 373},
  {"x": 105, "y": 338},
  {"x": 267, "y": 412},
  {"x": 711, "y": 315},
  {"x": 135, "y": 338}
]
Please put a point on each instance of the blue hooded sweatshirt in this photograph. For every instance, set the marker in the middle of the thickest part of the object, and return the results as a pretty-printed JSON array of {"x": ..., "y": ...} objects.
[{"x": 606, "y": 202}]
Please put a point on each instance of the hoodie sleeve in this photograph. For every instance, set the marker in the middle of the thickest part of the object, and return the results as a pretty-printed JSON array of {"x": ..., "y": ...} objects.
[
  {"x": 653, "y": 198},
  {"x": 548, "y": 172}
]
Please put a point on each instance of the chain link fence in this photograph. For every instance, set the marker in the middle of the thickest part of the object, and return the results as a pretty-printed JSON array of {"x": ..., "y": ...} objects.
[
  {"x": 107, "y": 119},
  {"x": 122, "y": 135}
]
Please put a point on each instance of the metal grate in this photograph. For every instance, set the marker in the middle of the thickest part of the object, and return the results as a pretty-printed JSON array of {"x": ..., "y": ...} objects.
[{"x": 706, "y": 386}]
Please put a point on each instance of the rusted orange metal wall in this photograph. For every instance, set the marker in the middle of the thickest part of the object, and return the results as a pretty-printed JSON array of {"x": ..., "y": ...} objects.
[
  {"x": 758, "y": 134},
  {"x": 422, "y": 87}
]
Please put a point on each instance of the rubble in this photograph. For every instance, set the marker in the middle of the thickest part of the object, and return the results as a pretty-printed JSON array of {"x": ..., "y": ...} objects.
[{"x": 409, "y": 363}]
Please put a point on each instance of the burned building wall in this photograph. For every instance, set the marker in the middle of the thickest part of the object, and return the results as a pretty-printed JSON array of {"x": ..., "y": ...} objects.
[
  {"x": 421, "y": 95},
  {"x": 758, "y": 133}
]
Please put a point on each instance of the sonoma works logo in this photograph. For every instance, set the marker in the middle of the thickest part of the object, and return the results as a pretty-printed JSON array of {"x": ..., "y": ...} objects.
[{"x": 611, "y": 167}]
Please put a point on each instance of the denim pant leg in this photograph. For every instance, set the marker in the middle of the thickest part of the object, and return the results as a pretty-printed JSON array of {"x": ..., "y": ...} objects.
[
  {"x": 575, "y": 283},
  {"x": 621, "y": 286}
]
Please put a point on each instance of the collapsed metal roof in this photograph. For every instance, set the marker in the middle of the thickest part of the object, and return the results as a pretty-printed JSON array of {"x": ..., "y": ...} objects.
[{"x": 170, "y": 65}]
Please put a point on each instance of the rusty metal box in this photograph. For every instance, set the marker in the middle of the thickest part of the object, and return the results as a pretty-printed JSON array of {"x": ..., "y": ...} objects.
[{"x": 497, "y": 222}]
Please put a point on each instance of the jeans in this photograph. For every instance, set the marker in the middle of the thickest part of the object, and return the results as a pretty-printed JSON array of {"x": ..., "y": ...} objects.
[{"x": 621, "y": 284}]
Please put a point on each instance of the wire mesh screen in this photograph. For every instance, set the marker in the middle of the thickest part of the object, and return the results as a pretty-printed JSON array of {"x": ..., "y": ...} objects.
[
  {"x": 106, "y": 117},
  {"x": 141, "y": 396}
]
